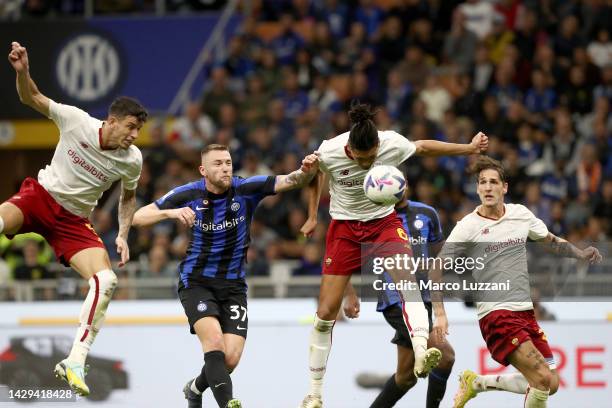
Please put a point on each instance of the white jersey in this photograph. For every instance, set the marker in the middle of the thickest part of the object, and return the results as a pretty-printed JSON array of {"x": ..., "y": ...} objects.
[
  {"x": 348, "y": 200},
  {"x": 81, "y": 170},
  {"x": 502, "y": 243}
]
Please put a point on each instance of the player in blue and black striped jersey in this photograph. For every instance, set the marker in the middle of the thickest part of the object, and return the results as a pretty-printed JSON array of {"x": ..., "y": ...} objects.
[
  {"x": 422, "y": 225},
  {"x": 212, "y": 288}
]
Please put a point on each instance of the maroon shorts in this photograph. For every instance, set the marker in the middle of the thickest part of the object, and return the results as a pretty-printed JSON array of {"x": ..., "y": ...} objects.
[
  {"x": 505, "y": 330},
  {"x": 343, "y": 250},
  {"x": 66, "y": 232}
]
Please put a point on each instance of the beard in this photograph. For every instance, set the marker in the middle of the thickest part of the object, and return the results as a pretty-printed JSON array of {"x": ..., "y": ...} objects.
[{"x": 221, "y": 183}]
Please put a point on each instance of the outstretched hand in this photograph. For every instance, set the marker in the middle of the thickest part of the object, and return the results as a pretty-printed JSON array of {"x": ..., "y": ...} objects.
[{"x": 18, "y": 57}]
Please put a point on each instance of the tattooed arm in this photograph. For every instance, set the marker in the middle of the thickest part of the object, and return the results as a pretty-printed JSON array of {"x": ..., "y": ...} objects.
[
  {"x": 127, "y": 208},
  {"x": 565, "y": 248},
  {"x": 300, "y": 177}
]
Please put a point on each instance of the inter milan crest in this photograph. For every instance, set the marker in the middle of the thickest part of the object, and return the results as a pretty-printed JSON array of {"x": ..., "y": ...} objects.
[
  {"x": 418, "y": 224},
  {"x": 235, "y": 206}
]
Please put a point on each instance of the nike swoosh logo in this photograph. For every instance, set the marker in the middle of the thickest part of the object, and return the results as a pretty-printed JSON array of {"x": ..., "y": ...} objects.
[
  {"x": 200, "y": 208},
  {"x": 218, "y": 385},
  {"x": 241, "y": 328}
]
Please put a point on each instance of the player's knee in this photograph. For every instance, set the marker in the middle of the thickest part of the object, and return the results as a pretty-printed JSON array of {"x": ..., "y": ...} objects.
[
  {"x": 107, "y": 279},
  {"x": 405, "y": 379},
  {"x": 448, "y": 359},
  {"x": 543, "y": 379},
  {"x": 214, "y": 342},
  {"x": 324, "y": 312},
  {"x": 554, "y": 383},
  {"x": 322, "y": 324},
  {"x": 231, "y": 360}
]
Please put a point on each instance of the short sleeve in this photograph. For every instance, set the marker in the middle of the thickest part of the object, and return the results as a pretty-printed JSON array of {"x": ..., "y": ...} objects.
[
  {"x": 256, "y": 185},
  {"x": 66, "y": 117},
  {"x": 405, "y": 148},
  {"x": 323, "y": 157},
  {"x": 435, "y": 232},
  {"x": 130, "y": 179},
  {"x": 537, "y": 228},
  {"x": 177, "y": 197}
]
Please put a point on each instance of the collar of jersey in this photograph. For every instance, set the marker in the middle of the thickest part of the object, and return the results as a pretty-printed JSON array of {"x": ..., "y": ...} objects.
[
  {"x": 214, "y": 196},
  {"x": 100, "y": 140},
  {"x": 492, "y": 219},
  {"x": 348, "y": 154}
]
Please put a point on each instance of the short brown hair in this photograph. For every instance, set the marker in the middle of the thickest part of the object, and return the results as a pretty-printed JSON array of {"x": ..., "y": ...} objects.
[
  {"x": 486, "y": 163},
  {"x": 125, "y": 106},
  {"x": 214, "y": 146}
]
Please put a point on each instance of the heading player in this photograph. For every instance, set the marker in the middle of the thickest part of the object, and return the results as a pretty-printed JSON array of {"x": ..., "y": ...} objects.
[
  {"x": 346, "y": 159},
  {"x": 212, "y": 288},
  {"x": 89, "y": 157},
  {"x": 422, "y": 224},
  {"x": 507, "y": 323}
]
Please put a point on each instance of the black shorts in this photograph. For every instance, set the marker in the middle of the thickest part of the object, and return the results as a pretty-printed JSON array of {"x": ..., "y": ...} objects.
[
  {"x": 223, "y": 298},
  {"x": 394, "y": 316}
]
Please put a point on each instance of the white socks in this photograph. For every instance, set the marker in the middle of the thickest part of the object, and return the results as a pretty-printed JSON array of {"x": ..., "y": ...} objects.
[
  {"x": 101, "y": 288},
  {"x": 320, "y": 346},
  {"x": 516, "y": 383},
  {"x": 416, "y": 319},
  {"x": 536, "y": 398},
  {"x": 419, "y": 346}
]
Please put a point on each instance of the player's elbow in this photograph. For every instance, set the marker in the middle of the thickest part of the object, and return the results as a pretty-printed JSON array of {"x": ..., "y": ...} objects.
[
  {"x": 421, "y": 148},
  {"x": 139, "y": 219}
]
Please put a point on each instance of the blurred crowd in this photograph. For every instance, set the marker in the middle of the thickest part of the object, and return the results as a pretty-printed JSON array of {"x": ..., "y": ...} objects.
[
  {"x": 36, "y": 9},
  {"x": 534, "y": 75}
]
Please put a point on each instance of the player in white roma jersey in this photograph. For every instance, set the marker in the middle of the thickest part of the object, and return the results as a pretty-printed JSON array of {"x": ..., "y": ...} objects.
[
  {"x": 89, "y": 157},
  {"x": 346, "y": 159},
  {"x": 497, "y": 233}
]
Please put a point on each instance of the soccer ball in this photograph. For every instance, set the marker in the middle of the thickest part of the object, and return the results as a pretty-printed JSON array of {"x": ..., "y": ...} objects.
[{"x": 384, "y": 185}]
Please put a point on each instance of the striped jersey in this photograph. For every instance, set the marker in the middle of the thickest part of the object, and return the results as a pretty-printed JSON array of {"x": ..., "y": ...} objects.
[
  {"x": 422, "y": 225},
  {"x": 220, "y": 234}
]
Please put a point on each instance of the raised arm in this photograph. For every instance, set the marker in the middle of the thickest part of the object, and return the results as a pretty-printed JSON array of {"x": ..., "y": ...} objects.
[
  {"x": 26, "y": 88},
  {"x": 479, "y": 144},
  {"x": 300, "y": 177},
  {"x": 565, "y": 248}
]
